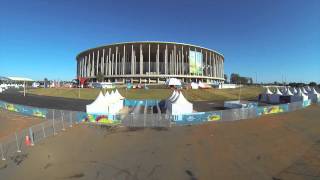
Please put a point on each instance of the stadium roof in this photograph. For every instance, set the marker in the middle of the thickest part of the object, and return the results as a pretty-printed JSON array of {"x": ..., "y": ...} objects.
[
  {"x": 19, "y": 79},
  {"x": 4, "y": 78}
]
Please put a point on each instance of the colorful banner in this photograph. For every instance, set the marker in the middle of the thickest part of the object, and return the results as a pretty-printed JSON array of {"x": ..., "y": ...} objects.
[
  {"x": 195, "y": 63},
  {"x": 196, "y": 118},
  {"x": 272, "y": 109},
  {"x": 102, "y": 119},
  {"x": 25, "y": 110},
  {"x": 306, "y": 103}
]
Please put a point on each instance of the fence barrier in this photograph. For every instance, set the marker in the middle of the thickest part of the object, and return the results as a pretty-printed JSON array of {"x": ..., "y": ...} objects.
[{"x": 56, "y": 121}]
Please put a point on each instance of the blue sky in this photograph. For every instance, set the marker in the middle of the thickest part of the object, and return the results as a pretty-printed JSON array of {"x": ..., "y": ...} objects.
[{"x": 275, "y": 39}]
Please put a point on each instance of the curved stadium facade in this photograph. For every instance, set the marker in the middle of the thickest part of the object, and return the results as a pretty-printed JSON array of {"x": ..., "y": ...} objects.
[{"x": 151, "y": 62}]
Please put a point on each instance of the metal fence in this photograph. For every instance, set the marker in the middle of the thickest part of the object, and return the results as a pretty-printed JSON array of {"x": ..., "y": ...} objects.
[{"x": 57, "y": 121}]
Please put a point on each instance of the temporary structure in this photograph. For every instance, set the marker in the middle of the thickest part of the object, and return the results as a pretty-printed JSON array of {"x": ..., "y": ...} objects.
[
  {"x": 300, "y": 96},
  {"x": 294, "y": 90},
  {"x": 110, "y": 103},
  {"x": 264, "y": 97},
  {"x": 173, "y": 82},
  {"x": 98, "y": 106},
  {"x": 314, "y": 95},
  {"x": 180, "y": 106},
  {"x": 194, "y": 85},
  {"x": 288, "y": 93},
  {"x": 275, "y": 97},
  {"x": 203, "y": 85},
  {"x": 304, "y": 90},
  {"x": 171, "y": 99}
]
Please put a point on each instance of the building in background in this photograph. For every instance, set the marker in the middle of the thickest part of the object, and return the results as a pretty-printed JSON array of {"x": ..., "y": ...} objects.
[{"x": 151, "y": 62}]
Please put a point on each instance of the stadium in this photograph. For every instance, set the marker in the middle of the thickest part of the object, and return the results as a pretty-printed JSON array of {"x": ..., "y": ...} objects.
[{"x": 151, "y": 62}]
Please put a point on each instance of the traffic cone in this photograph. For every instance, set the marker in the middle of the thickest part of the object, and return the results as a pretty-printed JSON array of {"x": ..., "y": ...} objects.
[{"x": 27, "y": 141}]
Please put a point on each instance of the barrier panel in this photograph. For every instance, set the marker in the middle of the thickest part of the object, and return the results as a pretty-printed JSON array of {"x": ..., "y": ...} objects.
[
  {"x": 196, "y": 118},
  {"x": 25, "y": 110},
  {"x": 60, "y": 120}
]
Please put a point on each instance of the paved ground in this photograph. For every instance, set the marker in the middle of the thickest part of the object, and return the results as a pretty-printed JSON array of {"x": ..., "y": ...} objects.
[
  {"x": 11, "y": 122},
  {"x": 274, "y": 147},
  {"x": 80, "y": 104},
  {"x": 45, "y": 101}
]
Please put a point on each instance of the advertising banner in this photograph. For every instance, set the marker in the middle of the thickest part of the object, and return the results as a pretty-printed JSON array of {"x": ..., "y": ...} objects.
[
  {"x": 272, "y": 109},
  {"x": 196, "y": 118},
  {"x": 195, "y": 63}
]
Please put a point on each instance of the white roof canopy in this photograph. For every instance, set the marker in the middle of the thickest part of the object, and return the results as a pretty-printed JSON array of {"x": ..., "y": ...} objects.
[{"x": 19, "y": 79}]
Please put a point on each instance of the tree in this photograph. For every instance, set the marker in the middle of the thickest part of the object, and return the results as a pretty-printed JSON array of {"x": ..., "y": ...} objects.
[
  {"x": 226, "y": 78},
  {"x": 100, "y": 77},
  {"x": 46, "y": 82},
  {"x": 234, "y": 78},
  {"x": 312, "y": 84}
]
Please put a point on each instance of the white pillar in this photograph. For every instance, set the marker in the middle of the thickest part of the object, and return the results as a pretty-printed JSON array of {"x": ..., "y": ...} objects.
[
  {"x": 141, "y": 60},
  {"x": 92, "y": 65},
  {"x": 97, "y": 65},
  {"x": 157, "y": 59},
  {"x": 124, "y": 59},
  {"x": 182, "y": 60},
  {"x": 166, "y": 60},
  {"x": 116, "y": 62},
  {"x": 149, "y": 59},
  {"x": 103, "y": 63}
]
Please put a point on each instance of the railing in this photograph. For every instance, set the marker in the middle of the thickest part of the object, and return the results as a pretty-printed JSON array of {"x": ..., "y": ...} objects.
[{"x": 56, "y": 121}]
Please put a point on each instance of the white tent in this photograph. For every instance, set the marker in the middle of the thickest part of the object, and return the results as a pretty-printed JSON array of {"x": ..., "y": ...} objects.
[
  {"x": 304, "y": 90},
  {"x": 314, "y": 95},
  {"x": 308, "y": 88},
  {"x": 288, "y": 93},
  {"x": 194, "y": 85},
  {"x": 98, "y": 106},
  {"x": 275, "y": 97},
  {"x": 299, "y": 97},
  {"x": 265, "y": 96},
  {"x": 171, "y": 99},
  {"x": 294, "y": 90},
  {"x": 173, "y": 82},
  {"x": 110, "y": 103},
  {"x": 181, "y": 106},
  {"x": 203, "y": 85}
]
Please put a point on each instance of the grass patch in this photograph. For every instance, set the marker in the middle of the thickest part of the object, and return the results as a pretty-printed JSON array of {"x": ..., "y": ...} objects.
[{"x": 191, "y": 94}]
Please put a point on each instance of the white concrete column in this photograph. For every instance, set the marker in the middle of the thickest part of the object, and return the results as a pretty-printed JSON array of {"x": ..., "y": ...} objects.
[
  {"x": 124, "y": 59},
  {"x": 97, "y": 64},
  {"x": 182, "y": 58},
  {"x": 89, "y": 66},
  {"x": 132, "y": 60},
  {"x": 93, "y": 65},
  {"x": 206, "y": 64},
  {"x": 103, "y": 63},
  {"x": 149, "y": 59},
  {"x": 201, "y": 63},
  {"x": 166, "y": 60},
  {"x": 141, "y": 60},
  {"x": 109, "y": 62},
  {"x": 157, "y": 59},
  {"x": 116, "y": 62},
  {"x": 85, "y": 66},
  {"x": 188, "y": 56}
]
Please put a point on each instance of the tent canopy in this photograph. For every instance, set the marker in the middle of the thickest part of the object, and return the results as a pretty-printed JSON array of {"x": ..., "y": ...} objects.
[
  {"x": 19, "y": 79},
  {"x": 173, "y": 82}
]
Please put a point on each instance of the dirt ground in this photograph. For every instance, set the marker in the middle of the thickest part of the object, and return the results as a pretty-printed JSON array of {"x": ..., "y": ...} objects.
[
  {"x": 11, "y": 122},
  {"x": 274, "y": 147}
]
